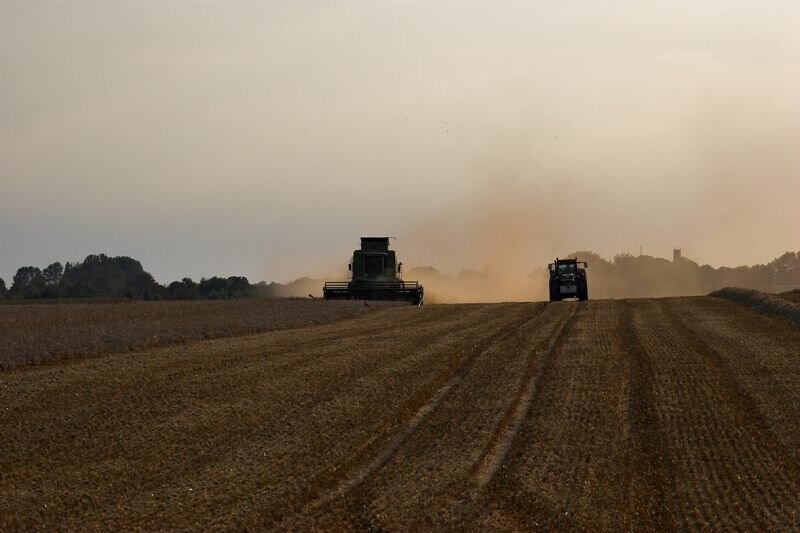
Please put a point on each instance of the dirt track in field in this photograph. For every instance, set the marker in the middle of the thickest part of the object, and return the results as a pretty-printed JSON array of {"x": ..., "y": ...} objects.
[{"x": 672, "y": 414}]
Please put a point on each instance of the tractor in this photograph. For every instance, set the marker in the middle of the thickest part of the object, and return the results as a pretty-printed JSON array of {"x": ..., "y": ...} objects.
[{"x": 568, "y": 280}]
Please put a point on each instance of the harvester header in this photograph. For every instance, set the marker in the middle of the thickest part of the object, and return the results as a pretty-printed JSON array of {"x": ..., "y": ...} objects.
[{"x": 376, "y": 275}]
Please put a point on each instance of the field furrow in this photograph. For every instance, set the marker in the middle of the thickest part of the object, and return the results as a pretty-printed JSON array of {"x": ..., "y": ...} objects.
[
  {"x": 539, "y": 360},
  {"x": 243, "y": 405},
  {"x": 410, "y": 457},
  {"x": 728, "y": 471},
  {"x": 667, "y": 414},
  {"x": 653, "y": 497},
  {"x": 576, "y": 464},
  {"x": 761, "y": 352}
]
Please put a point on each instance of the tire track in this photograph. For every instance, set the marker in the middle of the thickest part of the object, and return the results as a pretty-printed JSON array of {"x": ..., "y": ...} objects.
[
  {"x": 685, "y": 406},
  {"x": 423, "y": 485},
  {"x": 654, "y": 463},
  {"x": 369, "y": 467},
  {"x": 578, "y": 462},
  {"x": 761, "y": 352},
  {"x": 760, "y": 446},
  {"x": 538, "y": 364},
  {"x": 726, "y": 472}
]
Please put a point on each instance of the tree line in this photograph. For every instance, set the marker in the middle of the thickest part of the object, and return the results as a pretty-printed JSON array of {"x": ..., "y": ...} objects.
[
  {"x": 101, "y": 276},
  {"x": 625, "y": 276},
  {"x": 629, "y": 276}
]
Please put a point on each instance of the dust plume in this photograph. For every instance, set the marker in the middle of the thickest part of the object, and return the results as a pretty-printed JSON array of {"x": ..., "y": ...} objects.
[
  {"x": 495, "y": 244},
  {"x": 487, "y": 250}
]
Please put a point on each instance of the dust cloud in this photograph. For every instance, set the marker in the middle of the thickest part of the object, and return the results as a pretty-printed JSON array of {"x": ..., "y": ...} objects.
[
  {"x": 711, "y": 202},
  {"x": 487, "y": 249}
]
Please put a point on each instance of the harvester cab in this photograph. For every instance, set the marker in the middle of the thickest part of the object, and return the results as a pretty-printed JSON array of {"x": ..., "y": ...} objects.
[
  {"x": 375, "y": 275},
  {"x": 568, "y": 279}
]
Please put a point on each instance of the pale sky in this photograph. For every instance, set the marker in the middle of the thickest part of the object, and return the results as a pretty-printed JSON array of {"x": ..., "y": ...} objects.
[{"x": 264, "y": 138}]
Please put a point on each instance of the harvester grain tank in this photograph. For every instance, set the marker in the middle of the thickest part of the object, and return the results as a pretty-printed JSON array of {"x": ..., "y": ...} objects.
[
  {"x": 376, "y": 275},
  {"x": 568, "y": 279}
]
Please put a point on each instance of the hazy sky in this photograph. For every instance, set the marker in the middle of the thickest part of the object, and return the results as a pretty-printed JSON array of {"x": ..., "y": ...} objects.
[{"x": 264, "y": 138}]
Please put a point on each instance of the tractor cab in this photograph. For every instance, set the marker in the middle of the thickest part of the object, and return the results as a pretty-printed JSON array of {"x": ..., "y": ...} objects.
[
  {"x": 374, "y": 261},
  {"x": 566, "y": 267}
]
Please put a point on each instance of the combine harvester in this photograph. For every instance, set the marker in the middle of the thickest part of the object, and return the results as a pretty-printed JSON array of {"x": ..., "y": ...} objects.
[
  {"x": 568, "y": 280},
  {"x": 376, "y": 275}
]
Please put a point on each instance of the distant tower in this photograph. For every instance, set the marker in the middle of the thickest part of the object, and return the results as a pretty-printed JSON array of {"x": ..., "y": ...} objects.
[{"x": 676, "y": 255}]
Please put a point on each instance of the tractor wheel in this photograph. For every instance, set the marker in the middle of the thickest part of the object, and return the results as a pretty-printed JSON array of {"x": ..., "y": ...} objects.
[
  {"x": 554, "y": 295},
  {"x": 583, "y": 292}
]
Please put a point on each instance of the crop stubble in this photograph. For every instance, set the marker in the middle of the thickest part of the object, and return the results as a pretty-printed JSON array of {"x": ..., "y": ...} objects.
[
  {"x": 642, "y": 414},
  {"x": 38, "y": 333}
]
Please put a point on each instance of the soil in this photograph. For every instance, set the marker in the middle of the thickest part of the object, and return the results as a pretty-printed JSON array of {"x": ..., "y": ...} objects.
[{"x": 677, "y": 413}]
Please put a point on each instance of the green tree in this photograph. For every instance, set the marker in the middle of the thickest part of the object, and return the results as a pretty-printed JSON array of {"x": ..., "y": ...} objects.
[
  {"x": 186, "y": 289},
  {"x": 52, "y": 274},
  {"x": 100, "y": 275},
  {"x": 28, "y": 283},
  {"x": 224, "y": 288},
  {"x": 3, "y": 290},
  {"x": 25, "y": 277}
]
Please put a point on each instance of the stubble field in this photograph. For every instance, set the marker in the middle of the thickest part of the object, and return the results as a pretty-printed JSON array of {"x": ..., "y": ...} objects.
[
  {"x": 676, "y": 413},
  {"x": 48, "y": 330}
]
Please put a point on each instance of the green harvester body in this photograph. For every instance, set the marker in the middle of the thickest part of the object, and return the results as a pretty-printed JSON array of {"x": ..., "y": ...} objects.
[{"x": 376, "y": 275}]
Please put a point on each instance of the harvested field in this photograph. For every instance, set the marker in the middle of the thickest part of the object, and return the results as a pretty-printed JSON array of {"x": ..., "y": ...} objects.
[
  {"x": 679, "y": 413},
  {"x": 36, "y": 333}
]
